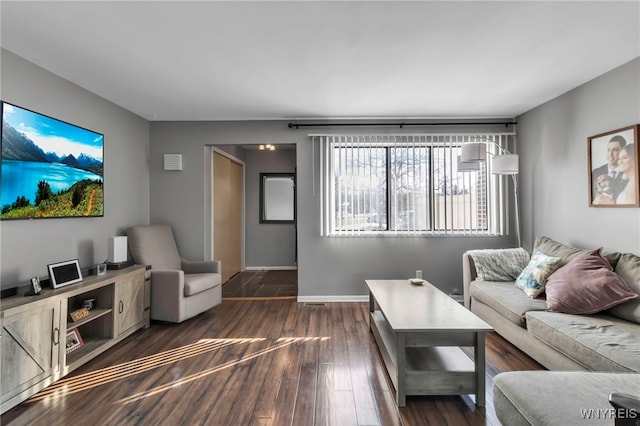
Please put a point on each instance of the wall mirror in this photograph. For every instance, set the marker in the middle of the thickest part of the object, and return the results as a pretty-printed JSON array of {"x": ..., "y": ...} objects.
[{"x": 277, "y": 198}]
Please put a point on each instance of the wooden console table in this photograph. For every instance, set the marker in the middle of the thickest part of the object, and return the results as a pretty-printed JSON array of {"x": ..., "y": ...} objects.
[
  {"x": 419, "y": 331},
  {"x": 34, "y": 329}
]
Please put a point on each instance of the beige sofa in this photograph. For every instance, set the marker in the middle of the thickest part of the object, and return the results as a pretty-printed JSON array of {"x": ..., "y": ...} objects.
[
  {"x": 607, "y": 341},
  {"x": 602, "y": 351},
  {"x": 565, "y": 398}
]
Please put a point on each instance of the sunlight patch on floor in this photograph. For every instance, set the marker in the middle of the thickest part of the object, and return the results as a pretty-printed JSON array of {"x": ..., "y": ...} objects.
[
  {"x": 103, "y": 376},
  {"x": 281, "y": 343}
]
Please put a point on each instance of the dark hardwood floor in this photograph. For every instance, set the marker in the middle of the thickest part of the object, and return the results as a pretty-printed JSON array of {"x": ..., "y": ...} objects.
[
  {"x": 262, "y": 284},
  {"x": 254, "y": 362}
]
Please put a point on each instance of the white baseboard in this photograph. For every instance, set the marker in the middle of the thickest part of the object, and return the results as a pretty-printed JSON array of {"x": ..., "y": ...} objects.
[
  {"x": 321, "y": 299},
  {"x": 271, "y": 268}
]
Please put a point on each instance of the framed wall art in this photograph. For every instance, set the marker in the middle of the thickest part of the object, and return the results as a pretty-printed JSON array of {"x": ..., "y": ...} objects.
[{"x": 613, "y": 168}]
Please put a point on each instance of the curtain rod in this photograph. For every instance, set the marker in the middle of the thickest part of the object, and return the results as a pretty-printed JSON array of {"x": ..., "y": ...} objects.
[{"x": 298, "y": 125}]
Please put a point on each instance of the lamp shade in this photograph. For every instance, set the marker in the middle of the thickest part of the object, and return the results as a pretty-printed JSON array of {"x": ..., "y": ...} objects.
[
  {"x": 471, "y": 166},
  {"x": 473, "y": 152},
  {"x": 505, "y": 164}
]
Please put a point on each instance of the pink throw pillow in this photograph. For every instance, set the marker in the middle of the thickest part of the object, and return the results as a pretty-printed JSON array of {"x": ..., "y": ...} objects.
[{"x": 586, "y": 285}]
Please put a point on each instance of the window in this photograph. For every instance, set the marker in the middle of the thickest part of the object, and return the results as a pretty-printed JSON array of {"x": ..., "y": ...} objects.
[{"x": 408, "y": 185}]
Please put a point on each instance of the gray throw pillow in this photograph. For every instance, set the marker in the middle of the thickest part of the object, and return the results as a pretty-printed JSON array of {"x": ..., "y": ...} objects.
[{"x": 553, "y": 248}]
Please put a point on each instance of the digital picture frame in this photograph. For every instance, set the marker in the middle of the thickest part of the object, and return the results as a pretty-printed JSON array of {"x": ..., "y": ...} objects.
[{"x": 64, "y": 273}]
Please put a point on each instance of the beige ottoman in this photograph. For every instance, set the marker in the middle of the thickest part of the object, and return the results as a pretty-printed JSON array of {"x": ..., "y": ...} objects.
[{"x": 560, "y": 398}]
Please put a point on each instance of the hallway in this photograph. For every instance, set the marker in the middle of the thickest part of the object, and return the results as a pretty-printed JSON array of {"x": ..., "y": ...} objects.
[{"x": 257, "y": 285}]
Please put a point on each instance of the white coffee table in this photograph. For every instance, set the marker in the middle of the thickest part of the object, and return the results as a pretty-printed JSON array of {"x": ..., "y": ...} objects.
[{"x": 420, "y": 331}]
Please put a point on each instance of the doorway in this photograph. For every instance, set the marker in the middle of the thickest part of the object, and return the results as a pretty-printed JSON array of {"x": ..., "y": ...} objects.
[{"x": 261, "y": 249}]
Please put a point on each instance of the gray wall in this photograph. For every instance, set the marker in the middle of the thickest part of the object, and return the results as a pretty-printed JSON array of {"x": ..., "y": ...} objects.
[
  {"x": 180, "y": 198},
  {"x": 326, "y": 266},
  {"x": 554, "y": 170},
  {"x": 267, "y": 244},
  {"x": 29, "y": 245},
  {"x": 552, "y": 144}
]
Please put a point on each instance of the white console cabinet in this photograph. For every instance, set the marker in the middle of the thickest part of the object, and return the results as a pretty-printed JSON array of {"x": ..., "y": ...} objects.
[{"x": 34, "y": 329}]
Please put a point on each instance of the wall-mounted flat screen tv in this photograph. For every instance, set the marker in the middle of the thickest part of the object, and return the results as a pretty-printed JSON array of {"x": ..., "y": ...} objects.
[{"x": 50, "y": 168}]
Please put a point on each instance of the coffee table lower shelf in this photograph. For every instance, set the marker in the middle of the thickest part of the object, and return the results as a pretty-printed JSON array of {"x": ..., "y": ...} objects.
[{"x": 422, "y": 369}]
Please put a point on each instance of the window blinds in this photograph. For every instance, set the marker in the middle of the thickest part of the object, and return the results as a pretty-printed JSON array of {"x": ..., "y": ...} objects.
[{"x": 408, "y": 185}]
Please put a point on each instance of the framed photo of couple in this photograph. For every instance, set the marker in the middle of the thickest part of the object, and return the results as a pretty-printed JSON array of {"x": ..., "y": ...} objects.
[{"x": 614, "y": 180}]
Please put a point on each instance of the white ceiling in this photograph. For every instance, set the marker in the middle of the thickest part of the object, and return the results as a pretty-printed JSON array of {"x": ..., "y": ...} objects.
[{"x": 205, "y": 60}]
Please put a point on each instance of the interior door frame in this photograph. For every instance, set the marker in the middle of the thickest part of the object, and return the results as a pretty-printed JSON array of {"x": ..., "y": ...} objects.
[{"x": 209, "y": 254}]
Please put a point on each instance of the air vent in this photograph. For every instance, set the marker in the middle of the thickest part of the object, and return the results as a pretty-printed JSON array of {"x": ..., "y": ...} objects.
[{"x": 173, "y": 162}]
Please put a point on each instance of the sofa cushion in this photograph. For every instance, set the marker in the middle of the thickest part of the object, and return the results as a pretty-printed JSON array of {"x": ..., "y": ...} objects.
[
  {"x": 628, "y": 268},
  {"x": 586, "y": 285},
  {"x": 553, "y": 248},
  {"x": 499, "y": 264},
  {"x": 506, "y": 299},
  {"x": 558, "y": 397},
  {"x": 533, "y": 278},
  {"x": 197, "y": 283},
  {"x": 598, "y": 342}
]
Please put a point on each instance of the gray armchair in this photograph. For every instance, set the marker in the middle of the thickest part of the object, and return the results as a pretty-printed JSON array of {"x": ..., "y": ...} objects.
[{"x": 180, "y": 289}]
